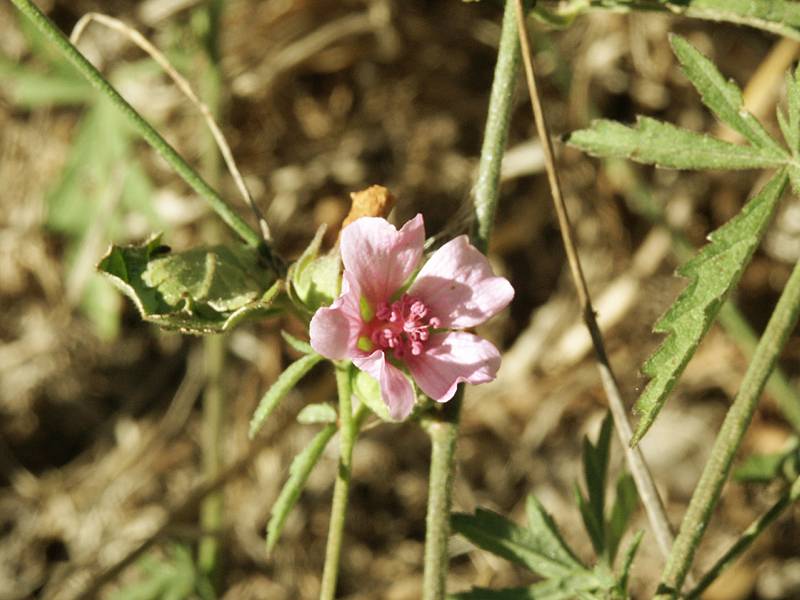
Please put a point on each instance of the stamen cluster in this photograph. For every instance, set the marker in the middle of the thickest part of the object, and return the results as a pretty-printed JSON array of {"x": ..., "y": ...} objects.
[{"x": 402, "y": 326}]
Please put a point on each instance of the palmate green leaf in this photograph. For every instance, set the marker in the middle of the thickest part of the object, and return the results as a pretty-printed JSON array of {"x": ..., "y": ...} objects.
[
  {"x": 544, "y": 554},
  {"x": 712, "y": 273},
  {"x": 201, "y": 291},
  {"x": 299, "y": 471},
  {"x": 657, "y": 143},
  {"x": 723, "y": 98},
  {"x": 283, "y": 385}
]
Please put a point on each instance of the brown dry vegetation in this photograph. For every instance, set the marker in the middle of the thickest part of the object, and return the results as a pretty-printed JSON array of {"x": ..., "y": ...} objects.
[{"x": 100, "y": 439}]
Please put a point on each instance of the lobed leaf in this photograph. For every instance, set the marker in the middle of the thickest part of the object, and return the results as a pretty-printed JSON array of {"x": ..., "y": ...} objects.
[
  {"x": 299, "y": 471},
  {"x": 723, "y": 98},
  {"x": 712, "y": 273},
  {"x": 282, "y": 386},
  {"x": 201, "y": 291},
  {"x": 665, "y": 145}
]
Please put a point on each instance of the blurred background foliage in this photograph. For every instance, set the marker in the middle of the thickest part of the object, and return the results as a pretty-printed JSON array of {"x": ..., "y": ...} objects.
[{"x": 100, "y": 427}]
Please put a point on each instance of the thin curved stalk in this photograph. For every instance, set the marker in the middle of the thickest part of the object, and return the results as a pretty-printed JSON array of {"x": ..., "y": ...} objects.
[
  {"x": 150, "y": 135},
  {"x": 634, "y": 457}
]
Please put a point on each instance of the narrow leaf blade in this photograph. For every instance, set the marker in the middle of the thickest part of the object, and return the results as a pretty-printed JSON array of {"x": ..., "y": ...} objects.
[
  {"x": 317, "y": 413},
  {"x": 624, "y": 506},
  {"x": 713, "y": 273},
  {"x": 299, "y": 471},
  {"x": 282, "y": 386}
]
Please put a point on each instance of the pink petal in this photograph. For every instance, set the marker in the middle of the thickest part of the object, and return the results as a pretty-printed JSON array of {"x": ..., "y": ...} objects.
[
  {"x": 459, "y": 286},
  {"x": 451, "y": 358},
  {"x": 396, "y": 389},
  {"x": 380, "y": 257},
  {"x": 334, "y": 330}
]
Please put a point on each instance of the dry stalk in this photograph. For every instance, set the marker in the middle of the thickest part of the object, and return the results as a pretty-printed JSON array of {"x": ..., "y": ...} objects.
[{"x": 636, "y": 462}]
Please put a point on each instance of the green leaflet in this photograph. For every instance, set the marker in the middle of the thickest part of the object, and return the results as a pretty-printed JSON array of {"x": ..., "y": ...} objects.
[
  {"x": 712, "y": 273},
  {"x": 724, "y": 98},
  {"x": 299, "y": 471},
  {"x": 282, "y": 386},
  {"x": 321, "y": 412},
  {"x": 201, "y": 291},
  {"x": 717, "y": 268},
  {"x": 664, "y": 145}
]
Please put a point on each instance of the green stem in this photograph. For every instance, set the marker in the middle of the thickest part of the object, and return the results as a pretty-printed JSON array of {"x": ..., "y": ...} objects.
[
  {"x": 777, "y": 16},
  {"x": 212, "y": 509},
  {"x": 443, "y": 432},
  {"x": 350, "y": 425},
  {"x": 716, "y": 471},
  {"x": 209, "y": 552},
  {"x": 487, "y": 186},
  {"x": 789, "y": 497},
  {"x": 151, "y": 136},
  {"x": 443, "y": 429}
]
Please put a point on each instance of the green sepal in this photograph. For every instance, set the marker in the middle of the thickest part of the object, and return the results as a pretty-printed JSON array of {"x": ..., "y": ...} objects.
[
  {"x": 314, "y": 279},
  {"x": 367, "y": 389},
  {"x": 200, "y": 291}
]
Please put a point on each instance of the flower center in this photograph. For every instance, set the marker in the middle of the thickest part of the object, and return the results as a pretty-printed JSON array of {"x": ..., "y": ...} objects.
[{"x": 402, "y": 326}]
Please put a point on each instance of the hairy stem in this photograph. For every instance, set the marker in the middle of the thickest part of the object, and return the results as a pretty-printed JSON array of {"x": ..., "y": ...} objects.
[
  {"x": 443, "y": 432},
  {"x": 634, "y": 457},
  {"x": 729, "y": 438},
  {"x": 789, "y": 497},
  {"x": 487, "y": 186},
  {"x": 443, "y": 429},
  {"x": 349, "y": 426},
  {"x": 140, "y": 125}
]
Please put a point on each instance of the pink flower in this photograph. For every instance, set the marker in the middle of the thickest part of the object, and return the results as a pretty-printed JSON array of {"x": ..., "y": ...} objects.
[{"x": 386, "y": 327}]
